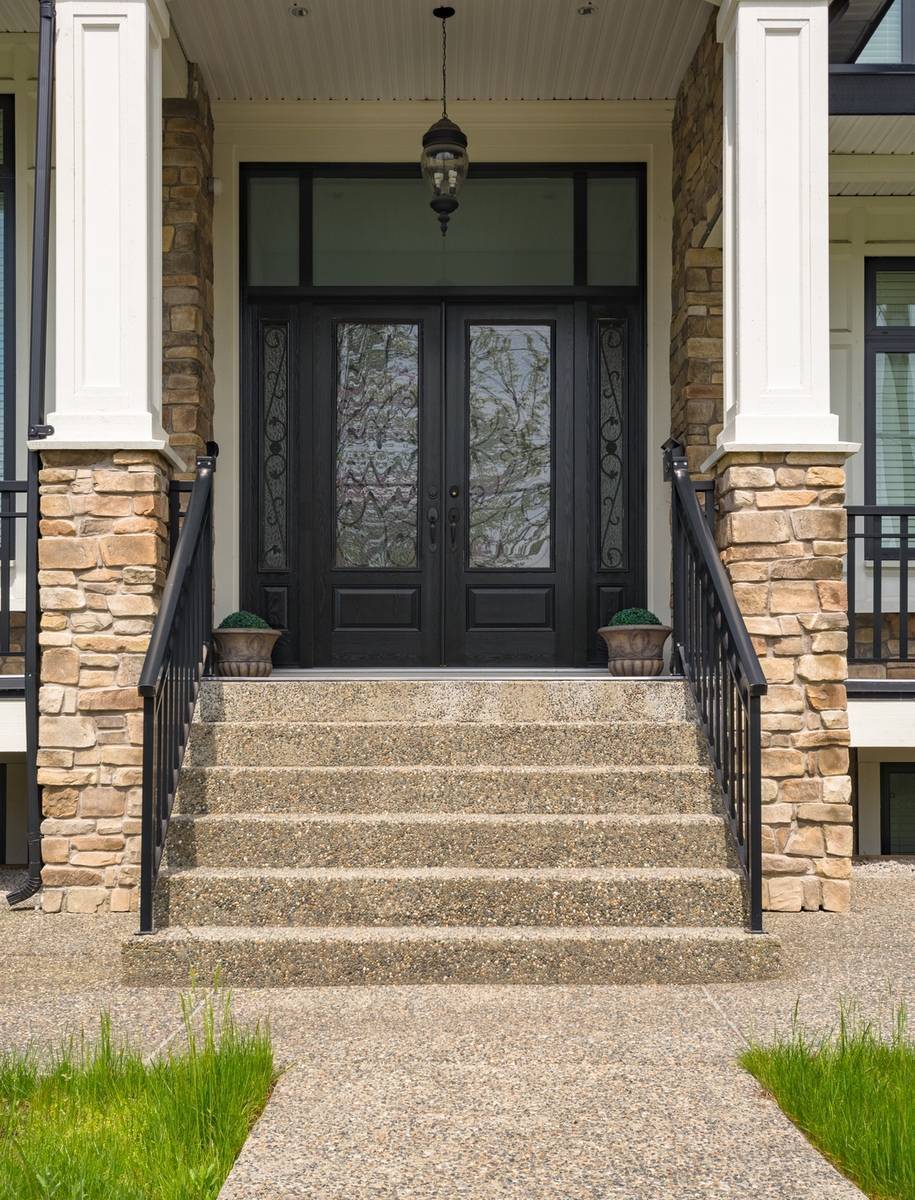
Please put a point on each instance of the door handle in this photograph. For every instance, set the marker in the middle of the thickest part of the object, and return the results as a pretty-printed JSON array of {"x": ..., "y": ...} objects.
[
  {"x": 433, "y": 528},
  {"x": 453, "y": 518}
]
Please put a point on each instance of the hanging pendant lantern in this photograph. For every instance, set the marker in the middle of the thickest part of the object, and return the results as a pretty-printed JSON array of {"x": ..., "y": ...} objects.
[{"x": 444, "y": 160}]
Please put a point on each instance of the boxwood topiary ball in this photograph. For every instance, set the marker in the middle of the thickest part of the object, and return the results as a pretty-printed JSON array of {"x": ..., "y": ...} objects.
[
  {"x": 243, "y": 620},
  {"x": 634, "y": 616}
]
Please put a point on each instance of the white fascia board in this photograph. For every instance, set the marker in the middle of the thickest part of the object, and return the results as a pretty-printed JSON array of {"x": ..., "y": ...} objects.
[
  {"x": 12, "y": 726},
  {"x": 880, "y": 723}
]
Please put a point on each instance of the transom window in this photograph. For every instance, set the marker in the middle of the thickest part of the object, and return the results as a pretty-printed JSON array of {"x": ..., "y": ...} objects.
[{"x": 314, "y": 227}]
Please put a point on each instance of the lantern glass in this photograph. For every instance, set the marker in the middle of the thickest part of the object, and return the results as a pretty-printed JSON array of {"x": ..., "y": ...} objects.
[{"x": 444, "y": 168}]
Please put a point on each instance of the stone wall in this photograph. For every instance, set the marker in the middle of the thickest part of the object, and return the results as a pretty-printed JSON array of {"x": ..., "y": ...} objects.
[
  {"x": 102, "y": 561},
  {"x": 187, "y": 168},
  {"x": 782, "y": 535},
  {"x": 696, "y": 346}
]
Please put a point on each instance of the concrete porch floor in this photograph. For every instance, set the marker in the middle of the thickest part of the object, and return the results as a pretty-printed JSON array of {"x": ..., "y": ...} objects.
[{"x": 572, "y": 1093}]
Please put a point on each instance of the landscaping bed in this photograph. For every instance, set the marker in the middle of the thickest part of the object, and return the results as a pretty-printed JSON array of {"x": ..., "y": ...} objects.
[
  {"x": 99, "y": 1122},
  {"x": 853, "y": 1094}
]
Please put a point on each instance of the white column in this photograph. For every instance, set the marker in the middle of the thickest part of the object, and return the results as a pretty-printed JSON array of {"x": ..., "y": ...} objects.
[
  {"x": 108, "y": 294},
  {"x": 776, "y": 225}
]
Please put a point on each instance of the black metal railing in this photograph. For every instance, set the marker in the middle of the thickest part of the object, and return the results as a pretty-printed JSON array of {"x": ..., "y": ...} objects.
[
  {"x": 14, "y": 644},
  {"x": 175, "y": 662},
  {"x": 881, "y": 624},
  {"x": 713, "y": 650}
]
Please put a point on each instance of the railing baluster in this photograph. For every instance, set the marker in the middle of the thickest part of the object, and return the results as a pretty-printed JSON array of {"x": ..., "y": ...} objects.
[{"x": 877, "y": 640}]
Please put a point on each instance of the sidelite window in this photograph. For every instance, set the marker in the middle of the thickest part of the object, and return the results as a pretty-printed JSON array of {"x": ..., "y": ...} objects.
[
  {"x": 311, "y": 227},
  {"x": 890, "y": 382}
]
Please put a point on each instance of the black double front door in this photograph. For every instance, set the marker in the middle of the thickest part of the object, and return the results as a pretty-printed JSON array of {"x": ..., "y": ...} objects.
[{"x": 429, "y": 489}]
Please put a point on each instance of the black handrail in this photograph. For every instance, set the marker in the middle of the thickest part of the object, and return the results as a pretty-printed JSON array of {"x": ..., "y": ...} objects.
[
  {"x": 879, "y": 623},
  {"x": 175, "y": 661},
  {"x": 713, "y": 650}
]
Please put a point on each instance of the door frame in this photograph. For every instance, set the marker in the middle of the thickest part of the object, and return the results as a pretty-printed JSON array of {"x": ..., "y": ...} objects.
[{"x": 596, "y": 592}]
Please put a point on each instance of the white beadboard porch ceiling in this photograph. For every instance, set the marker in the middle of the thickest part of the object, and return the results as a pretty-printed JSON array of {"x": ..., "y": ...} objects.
[{"x": 390, "y": 49}]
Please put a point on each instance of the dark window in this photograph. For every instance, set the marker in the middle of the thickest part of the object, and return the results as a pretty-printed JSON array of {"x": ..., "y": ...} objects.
[
  {"x": 893, "y": 41},
  {"x": 897, "y": 808},
  {"x": 7, "y": 291},
  {"x": 889, "y": 384}
]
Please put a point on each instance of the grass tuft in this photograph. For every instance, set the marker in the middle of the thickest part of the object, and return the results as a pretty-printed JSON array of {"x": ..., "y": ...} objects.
[
  {"x": 98, "y": 1122},
  {"x": 852, "y": 1092}
]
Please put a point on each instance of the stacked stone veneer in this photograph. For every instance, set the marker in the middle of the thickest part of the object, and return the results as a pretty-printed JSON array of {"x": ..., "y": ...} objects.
[
  {"x": 782, "y": 537},
  {"x": 696, "y": 340},
  {"x": 187, "y": 242},
  {"x": 102, "y": 562}
]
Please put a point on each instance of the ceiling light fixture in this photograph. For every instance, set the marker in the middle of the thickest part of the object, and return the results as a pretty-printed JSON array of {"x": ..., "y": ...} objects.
[
  {"x": 298, "y": 10},
  {"x": 444, "y": 160}
]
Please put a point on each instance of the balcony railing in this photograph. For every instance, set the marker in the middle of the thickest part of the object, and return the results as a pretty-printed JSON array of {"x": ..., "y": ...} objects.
[{"x": 881, "y": 598}]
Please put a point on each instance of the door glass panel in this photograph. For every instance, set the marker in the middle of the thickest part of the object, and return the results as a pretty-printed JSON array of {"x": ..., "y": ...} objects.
[
  {"x": 274, "y": 475},
  {"x": 902, "y": 813},
  {"x": 273, "y": 231},
  {"x": 510, "y": 420},
  {"x": 377, "y": 445},
  {"x": 613, "y": 231},
  {"x": 895, "y": 298},
  {"x": 382, "y": 231},
  {"x": 611, "y": 375}
]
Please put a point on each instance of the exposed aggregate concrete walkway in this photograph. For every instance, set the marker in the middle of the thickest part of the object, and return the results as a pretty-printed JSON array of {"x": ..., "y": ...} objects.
[{"x": 573, "y": 1093}]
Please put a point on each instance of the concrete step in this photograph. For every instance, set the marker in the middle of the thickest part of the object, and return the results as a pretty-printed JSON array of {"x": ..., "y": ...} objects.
[
  {"x": 445, "y": 699},
  {"x": 312, "y": 957},
  {"x": 636, "y": 790},
  {"x": 296, "y": 744},
  {"x": 450, "y": 896},
  {"x": 451, "y": 840}
]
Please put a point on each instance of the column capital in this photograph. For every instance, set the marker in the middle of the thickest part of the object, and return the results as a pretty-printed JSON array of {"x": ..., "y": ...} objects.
[{"x": 727, "y": 10}]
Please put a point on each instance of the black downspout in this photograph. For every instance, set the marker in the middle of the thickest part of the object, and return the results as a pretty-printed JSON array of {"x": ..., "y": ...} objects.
[{"x": 38, "y": 338}]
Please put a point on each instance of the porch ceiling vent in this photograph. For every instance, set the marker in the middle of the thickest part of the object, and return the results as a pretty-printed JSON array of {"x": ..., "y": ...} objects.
[{"x": 444, "y": 160}]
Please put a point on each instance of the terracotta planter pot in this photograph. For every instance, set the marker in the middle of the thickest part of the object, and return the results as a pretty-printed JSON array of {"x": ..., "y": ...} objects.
[
  {"x": 245, "y": 651},
  {"x": 635, "y": 649}
]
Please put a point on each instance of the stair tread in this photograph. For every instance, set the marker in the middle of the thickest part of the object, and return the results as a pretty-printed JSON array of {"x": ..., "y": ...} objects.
[
  {"x": 412, "y": 724},
  {"x": 508, "y": 769},
  {"x": 559, "y": 874},
  {"x": 452, "y": 933},
  {"x": 648, "y": 820}
]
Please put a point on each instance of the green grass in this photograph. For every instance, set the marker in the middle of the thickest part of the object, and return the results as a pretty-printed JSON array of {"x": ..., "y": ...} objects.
[
  {"x": 852, "y": 1093},
  {"x": 98, "y": 1122}
]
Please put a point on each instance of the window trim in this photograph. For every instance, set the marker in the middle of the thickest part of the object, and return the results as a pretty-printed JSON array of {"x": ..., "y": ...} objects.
[
  {"x": 886, "y": 770},
  {"x": 8, "y": 190}
]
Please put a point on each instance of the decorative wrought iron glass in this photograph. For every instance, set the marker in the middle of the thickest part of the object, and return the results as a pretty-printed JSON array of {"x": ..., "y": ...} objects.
[
  {"x": 274, "y": 465},
  {"x": 377, "y": 445},
  {"x": 510, "y": 423},
  {"x": 611, "y": 375}
]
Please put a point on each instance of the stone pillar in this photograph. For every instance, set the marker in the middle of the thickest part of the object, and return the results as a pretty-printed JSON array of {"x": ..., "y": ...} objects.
[
  {"x": 187, "y": 243},
  {"x": 782, "y": 538},
  {"x": 102, "y": 561}
]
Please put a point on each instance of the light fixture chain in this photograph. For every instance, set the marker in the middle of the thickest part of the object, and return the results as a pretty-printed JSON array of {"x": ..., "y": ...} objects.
[{"x": 444, "y": 67}]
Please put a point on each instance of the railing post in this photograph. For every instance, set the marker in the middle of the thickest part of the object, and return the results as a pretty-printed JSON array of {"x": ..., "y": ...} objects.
[
  {"x": 754, "y": 839},
  {"x": 148, "y": 818}
]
